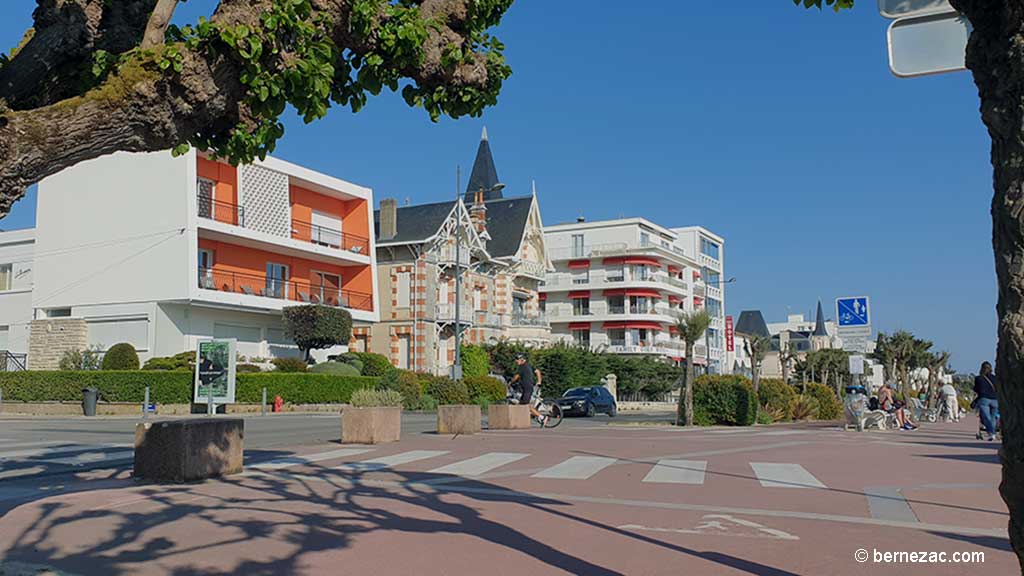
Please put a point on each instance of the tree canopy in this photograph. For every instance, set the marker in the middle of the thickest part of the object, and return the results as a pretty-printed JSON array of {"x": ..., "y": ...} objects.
[{"x": 92, "y": 77}]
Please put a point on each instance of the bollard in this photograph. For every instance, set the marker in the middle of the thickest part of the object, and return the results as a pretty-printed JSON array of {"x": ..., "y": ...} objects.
[
  {"x": 145, "y": 405},
  {"x": 263, "y": 406},
  {"x": 209, "y": 401}
]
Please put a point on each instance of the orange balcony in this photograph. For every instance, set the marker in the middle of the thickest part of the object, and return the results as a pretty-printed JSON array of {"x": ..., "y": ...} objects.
[{"x": 328, "y": 294}]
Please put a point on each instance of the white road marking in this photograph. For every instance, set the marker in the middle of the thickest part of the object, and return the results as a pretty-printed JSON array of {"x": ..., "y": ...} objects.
[
  {"x": 721, "y": 525},
  {"x": 55, "y": 450},
  {"x": 279, "y": 463},
  {"x": 22, "y": 472},
  {"x": 576, "y": 468},
  {"x": 677, "y": 472},
  {"x": 90, "y": 458},
  {"x": 391, "y": 461},
  {"x": 779, "y": 475},
  {"x": 480, "y": 464}
]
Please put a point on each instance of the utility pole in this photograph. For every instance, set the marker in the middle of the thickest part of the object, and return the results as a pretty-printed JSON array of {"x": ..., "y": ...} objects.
[{"x": 457, "y": 367}]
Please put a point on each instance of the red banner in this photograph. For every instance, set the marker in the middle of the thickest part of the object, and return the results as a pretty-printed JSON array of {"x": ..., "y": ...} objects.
[{"x": 729, "y": 345}]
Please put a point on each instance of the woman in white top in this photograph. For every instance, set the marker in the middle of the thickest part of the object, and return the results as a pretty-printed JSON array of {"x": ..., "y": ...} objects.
[{"x": 952, "y": 407}]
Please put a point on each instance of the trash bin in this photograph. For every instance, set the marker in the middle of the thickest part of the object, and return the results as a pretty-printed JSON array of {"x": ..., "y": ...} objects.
[{"x": 89, "y": 398}]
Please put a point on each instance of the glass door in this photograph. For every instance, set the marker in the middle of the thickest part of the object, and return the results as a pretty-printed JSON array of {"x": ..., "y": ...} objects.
[
  {"x": 206, "y": 269},
  {"x": 277, "y": 281}
]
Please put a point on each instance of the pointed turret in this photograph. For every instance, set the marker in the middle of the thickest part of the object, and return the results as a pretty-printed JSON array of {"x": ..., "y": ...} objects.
[
  {"x": 819, "y": 323},
  {"x": 484, "y": 175}
]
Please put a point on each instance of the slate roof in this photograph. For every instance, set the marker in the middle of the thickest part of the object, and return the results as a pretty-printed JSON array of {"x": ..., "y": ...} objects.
[
  {"x": 819, "y": 323},
  {"x": 484, "y": 174},
  {"x": 506, "y": 224},
  {"x": 751, "y": 323},
  {"x": 415, "y": 224}
]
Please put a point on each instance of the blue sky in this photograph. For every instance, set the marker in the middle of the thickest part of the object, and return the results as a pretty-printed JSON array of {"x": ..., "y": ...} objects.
[{"x": 780, "y": 129}]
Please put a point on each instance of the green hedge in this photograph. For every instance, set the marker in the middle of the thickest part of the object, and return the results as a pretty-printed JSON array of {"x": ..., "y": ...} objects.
[
  {"x": 724, "y": 400},
  {"x": 175, "y": 387},
  {"x": 829, "y": 406},
  {"x": 485, "y": 388},
  {"x": 373, "y": 364},
  {"x": 776, "y": 397}
]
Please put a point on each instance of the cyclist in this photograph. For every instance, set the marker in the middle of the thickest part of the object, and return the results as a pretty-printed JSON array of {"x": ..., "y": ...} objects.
[{"x": 527, "y": 377}]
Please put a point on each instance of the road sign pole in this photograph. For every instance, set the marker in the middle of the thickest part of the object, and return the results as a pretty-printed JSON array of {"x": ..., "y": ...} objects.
[{"x": 145, "y": 405}]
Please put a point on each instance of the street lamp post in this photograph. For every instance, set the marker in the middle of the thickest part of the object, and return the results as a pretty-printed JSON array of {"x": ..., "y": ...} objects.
[{"x": 457, "y": 366}]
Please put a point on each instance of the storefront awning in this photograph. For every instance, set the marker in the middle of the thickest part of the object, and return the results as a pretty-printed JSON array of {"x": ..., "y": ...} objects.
[
  {"x": 632, "y": 325},
  {"x": 579, "y": 294},
  {"x": 579, "y": 264}
]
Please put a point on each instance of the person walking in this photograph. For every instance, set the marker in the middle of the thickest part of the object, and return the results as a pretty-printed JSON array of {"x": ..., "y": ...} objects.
[
  {"x": 987, "y": 401},
  {"x": 952, "y": 406}
]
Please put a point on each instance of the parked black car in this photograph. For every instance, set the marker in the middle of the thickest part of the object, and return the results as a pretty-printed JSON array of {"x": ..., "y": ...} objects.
[{"x": 587, "y": 401}]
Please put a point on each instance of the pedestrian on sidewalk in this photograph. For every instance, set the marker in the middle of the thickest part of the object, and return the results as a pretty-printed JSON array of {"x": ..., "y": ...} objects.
[
  {"x": 952, "y": 406},
  {"x": 987, "y": 401}
]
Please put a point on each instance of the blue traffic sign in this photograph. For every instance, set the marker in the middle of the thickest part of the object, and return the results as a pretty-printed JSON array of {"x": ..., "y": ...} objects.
[{"x": 853, "y": 311}]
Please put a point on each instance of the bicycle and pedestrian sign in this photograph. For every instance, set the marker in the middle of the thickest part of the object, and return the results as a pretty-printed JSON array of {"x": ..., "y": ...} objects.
[{"x": 853, "y": 314}]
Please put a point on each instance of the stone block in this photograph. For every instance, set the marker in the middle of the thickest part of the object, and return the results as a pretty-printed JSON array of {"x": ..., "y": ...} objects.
[
  {"x": 458, "y": 419},
  {"x": 508, "y": 417},
  {"x": 190, "y": 449},
  {"x": 371, "y": 425}
]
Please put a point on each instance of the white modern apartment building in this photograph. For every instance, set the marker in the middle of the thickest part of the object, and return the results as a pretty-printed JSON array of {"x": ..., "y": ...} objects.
[
  {"x": 161, "y": 251},
  {"x": 619, "y": 285}
]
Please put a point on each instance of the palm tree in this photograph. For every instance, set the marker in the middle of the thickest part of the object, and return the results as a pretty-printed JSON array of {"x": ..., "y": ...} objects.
[
  {"x": 757, "y": 347},
  {"x": 691, "y": 326},
  {"x": 787, "y": 354}
]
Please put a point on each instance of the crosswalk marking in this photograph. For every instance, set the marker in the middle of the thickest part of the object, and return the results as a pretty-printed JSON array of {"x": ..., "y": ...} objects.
[
  {"x": 393, "y": 460},
  {"x": 576, "y": 468},
  {"x": 677, "y": 472},
  {"x": 279, "y": 463},
  {"x": 480, "y": 464},
  {"x": 778, "y": 475},
  {"x": 90, "y": 458}
]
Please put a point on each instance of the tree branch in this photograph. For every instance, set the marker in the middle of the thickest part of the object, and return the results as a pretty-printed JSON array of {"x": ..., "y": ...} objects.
[{"x": 158, "y": 22}]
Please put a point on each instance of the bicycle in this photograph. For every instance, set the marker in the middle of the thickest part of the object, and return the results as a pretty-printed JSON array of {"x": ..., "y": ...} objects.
[{"x": 548, "y": 408}]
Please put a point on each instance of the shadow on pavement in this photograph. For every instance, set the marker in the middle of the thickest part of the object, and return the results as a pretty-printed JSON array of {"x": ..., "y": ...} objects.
[
  {"x": 997, "y": 543},
  {"x": 287, "y": 518}
]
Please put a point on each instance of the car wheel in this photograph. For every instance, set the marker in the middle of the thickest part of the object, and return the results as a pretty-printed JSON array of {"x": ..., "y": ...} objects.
[
  {"x": 590, "y": 410},
  {"x": 613, "y": 411}
]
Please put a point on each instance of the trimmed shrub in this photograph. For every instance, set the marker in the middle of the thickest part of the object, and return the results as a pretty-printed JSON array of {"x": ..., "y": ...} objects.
[
  {"x": 350, "y": 359},
  {"x": 475, "y": 361},
  {"x": 445, "y": 390},
  {"x": 180, "y": 361},
  {"x": 723, "y": 399},
  {"x": 803, "y": 407},
  {"x": 313, "y": 326},
  {"x": 829, "y": 406},
  {"x": 290, "y": 365},
  {"x": 764, "y": 417},
  {"x": 121, "y": 357},
  {"x": 776, "y": 396},
  {"x": 247, "y": 368},
  {"x": 369, "y": 398},
  {"x": 405, "y": 383},
  {"x": 485, "y": 388},
  {"x": 88, "y": 359},
  {"x": 298, "y": 388},
  {"x": 338, "y": 368},
  {"x": 373, "y": 364}
]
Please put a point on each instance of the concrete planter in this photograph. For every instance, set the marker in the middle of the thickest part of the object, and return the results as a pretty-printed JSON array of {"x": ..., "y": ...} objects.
[
  {"x": 458, "y": 419},
  {"x": 371, "y": 425},
  {"x": 188, "y": 450},
  {"x": 508, "y": 417}
]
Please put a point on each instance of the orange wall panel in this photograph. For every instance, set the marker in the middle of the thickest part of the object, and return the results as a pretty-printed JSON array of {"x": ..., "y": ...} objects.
[{"x": 224, "y": 175}]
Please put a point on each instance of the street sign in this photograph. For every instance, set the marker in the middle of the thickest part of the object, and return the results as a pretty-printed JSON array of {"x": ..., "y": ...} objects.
[
  {"x": 853, "y": 311},
  {"x": 893, "y": 9},
  {"x": 929, "y": 44},
  {"x": 856, "y": 364}
]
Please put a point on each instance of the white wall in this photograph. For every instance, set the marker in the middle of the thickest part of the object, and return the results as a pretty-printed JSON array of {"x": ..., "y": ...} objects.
[
  {"x": 180, "y": 326},
  {"x": 16, "y": 249},
  {"x": 108, "y": 231}
]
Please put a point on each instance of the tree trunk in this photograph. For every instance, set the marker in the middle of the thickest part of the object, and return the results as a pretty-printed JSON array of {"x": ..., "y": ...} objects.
[
  {"x": 995, "y": 53},
  {"x": 756, "y": 381},
  {"x": 685, "y": 411}
]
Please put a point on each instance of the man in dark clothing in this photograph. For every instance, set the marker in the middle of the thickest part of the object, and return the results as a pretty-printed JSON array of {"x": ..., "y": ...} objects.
[
  {"x": 988, "y": 399},
  {"x": 527, "y": 377}
]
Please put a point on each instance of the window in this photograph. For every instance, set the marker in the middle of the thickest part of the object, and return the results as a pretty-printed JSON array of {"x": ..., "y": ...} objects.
[
  {"x": 581, "y": 338},
  {"x": 204, "y": 198},
  {"x": 518, "y": 308},
  {"x": 326, "y": 289},
  {"x": 542, "y": 305},
  {"x": 640, "y": 305},
  {"x": 581, "y": 306},
  {"x": 326, "y": 229},
  {"x": 714, "y": 307},
  {"x": 58, "y": 313},
  {"x": 6, "y": 276},
  {"x": 664, "y": 244},
  {"x": 106, "y": 333},
  {"x": 404, "y": 351},
  {"x": 581, "y": 276},
  {"x": 278, "y": 336},
  {"x": 277, "y": 281},
  {"x": 404, "y": 282},
  {"x": 640, "y": 272},
  {"x": 577, "y": 245},
  {"x": 709, "y": 248},
  {"x": 4, "y": 339},
  {"x": 478, "y": 298},
  {"x": 714, "y": 338},
  {"x": 711, "y": 278},
  {"x": 206, "y": 269},
  {"x": 617, "y": 337},
  {"x": 616, "y": 304},
  {"x": 645, "y": 239},
  {"x": 615, "y": 273}
]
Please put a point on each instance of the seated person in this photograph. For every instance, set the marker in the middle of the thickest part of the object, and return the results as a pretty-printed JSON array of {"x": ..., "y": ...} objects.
[{"x": 887, "y": 402}]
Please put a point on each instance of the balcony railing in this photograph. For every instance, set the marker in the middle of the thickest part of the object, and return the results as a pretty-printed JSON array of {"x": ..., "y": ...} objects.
[
  {"x": 330, "y": 238},
  {"x": 534, "y": 269},
  {"x": 218, "y": 211},
  {"x": 525, "y": 320},
  {"x": 290, "y": 290}
]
